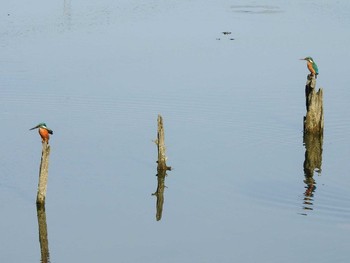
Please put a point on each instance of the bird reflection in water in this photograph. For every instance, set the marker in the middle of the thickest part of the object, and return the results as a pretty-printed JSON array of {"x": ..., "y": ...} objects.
[{"x": 313, "y": 162}]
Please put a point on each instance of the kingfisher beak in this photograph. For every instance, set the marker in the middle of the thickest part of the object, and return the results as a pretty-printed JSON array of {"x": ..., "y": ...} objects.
[
  {"x": 302, "y": 59},
  {"x": 35, "y": 127}
]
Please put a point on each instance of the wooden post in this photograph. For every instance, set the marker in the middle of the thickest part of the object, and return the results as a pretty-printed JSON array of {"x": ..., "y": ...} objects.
[
  {"x": 161, "y": 147},
  {"x": 43, "y": 239},
  {"x": 43, "y": 174},
  {"x": 161, "y": 168},
  {"x": 314, "y": 120}
]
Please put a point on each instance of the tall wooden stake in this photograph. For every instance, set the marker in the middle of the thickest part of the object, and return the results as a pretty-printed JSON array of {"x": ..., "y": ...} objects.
[
  {"x": 314, "y": 120},
  {"x": 43, "y": 174},
  {"x": 161, "y": 147},
  {"x": 43, "y": 238},
  {"x": 161, "y": 168}
]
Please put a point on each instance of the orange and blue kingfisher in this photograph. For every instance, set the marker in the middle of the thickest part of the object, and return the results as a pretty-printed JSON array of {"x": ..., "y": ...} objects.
[
  {"x": 311, "y": 65},
  {"x": 43, "y": 131}
]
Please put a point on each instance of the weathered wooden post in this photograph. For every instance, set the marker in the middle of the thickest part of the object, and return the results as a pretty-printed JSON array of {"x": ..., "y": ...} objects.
[
  {"x": 43, "y": 174},
  {"x": 44, "y": 133},
  {"x": 43, "y": 237},
  {"x": 161, "y": 147},
  {"x": 314, "y": 120},
  {"x": 161, "y": 169}
]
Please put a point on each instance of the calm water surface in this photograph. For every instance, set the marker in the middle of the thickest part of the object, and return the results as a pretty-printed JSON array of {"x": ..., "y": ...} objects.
[{"x": 241, "y": 190}]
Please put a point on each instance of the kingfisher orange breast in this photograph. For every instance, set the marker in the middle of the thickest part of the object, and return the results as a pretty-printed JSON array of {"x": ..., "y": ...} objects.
[
  {"x": 44, "y": 134},
  {"x": 311, "y": 68}
]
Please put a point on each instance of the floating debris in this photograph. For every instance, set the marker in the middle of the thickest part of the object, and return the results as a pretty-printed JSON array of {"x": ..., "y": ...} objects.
[{"x": 226, "y": 33}]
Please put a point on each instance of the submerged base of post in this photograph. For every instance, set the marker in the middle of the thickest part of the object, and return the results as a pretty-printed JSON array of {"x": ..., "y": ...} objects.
[
  {"x": 314, "y": 120},
  {"x": 43, "y": 236},
  {"x": 43, "y": 174}
]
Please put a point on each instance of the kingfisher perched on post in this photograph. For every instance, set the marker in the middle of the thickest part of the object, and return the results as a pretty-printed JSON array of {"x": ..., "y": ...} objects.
[
  {"x": 311, "y": 65},
  {"x": 43, "y": 131}
]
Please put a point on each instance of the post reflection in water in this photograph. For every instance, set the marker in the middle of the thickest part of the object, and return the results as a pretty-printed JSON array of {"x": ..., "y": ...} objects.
[
  {"x": 43, "y": 239},
  {"x": 313, "y": 162},
  {"x": 67, "y": 13},
  {"x": 160, "y": 193}
]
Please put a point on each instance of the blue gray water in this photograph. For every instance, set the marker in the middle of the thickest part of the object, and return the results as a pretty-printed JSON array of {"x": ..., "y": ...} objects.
[{"x": 99, "y": 73}]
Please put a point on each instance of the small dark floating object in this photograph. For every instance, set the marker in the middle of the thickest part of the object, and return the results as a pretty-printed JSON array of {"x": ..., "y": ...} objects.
[
  {"x": 232, "y": 39},
  {"x": 218, "y": 39},
  {"x": 226, "y": 33}
]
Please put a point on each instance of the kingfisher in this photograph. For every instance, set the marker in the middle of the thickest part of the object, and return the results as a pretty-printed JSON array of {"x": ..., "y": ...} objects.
[
  {"x": 43, "y": 131},
  {"x": 311, "y": 65}
]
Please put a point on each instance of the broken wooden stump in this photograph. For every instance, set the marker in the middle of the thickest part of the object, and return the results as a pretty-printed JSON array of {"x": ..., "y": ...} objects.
[
  {"x": 43, "y": 174},
  {"x": 314, "y": 120},
  {"x": 161, "y": 169}
]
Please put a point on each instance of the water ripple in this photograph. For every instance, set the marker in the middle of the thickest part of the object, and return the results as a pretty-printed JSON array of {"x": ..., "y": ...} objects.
[{"x": 256, "y": 9}]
